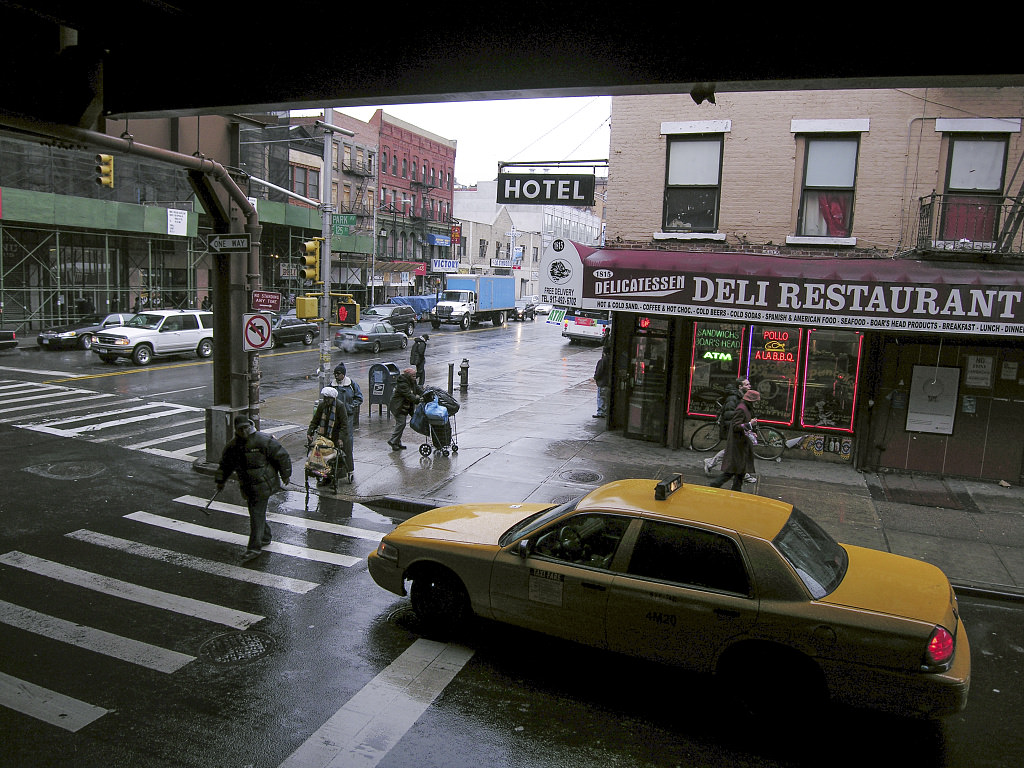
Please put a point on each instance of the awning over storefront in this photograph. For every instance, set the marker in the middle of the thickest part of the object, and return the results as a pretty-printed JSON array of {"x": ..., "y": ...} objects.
[{"x": 864, "y": 294}]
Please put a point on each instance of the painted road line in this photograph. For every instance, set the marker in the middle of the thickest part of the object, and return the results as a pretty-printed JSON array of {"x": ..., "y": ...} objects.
[
  {"x": 46, "y": 705},
  {"x": 43, "y": 373},
  {"x": 76, "y": 431},
  {"x": 159, "y": 440},
  {"x": 91, "y": 639},
  {"x": 297, "y": 522},
  {"x": 152, "y": 429},
  {"x": 189, "y": 453},
  {"x": 304, "y": 553},
  {"x": 116, "y": 588},
  {"x": 363, "y": 731},
  {"x": 298, "y": 586},
  {"x": 38, "y": 396},
  {"x": 81, "y": 403}
]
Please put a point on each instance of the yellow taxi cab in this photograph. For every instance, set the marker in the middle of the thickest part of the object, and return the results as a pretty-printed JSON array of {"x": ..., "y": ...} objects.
[{"x": 709, "y": 580}]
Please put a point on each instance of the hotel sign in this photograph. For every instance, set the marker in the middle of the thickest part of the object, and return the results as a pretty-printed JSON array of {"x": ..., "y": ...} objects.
[{"x": 546, "y": 189}]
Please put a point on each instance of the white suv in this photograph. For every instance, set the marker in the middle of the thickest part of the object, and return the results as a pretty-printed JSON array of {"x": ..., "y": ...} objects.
[{"x": 156, "y": 333}]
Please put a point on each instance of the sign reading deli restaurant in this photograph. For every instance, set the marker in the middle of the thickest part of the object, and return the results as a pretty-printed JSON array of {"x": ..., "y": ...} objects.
[{"x": 863, "y": 294}]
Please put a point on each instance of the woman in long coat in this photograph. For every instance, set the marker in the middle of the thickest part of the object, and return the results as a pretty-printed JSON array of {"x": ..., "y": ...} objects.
[{"x": 739, "y": 451}]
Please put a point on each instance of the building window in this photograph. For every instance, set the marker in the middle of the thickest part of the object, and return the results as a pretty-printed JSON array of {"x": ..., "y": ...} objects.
[
  {"x": 692, "y": 183},
  {"x": 830, "y": 379},
  {"x": 483, "y": 249},
  {"x": 305, "y": 181},
  {"x": 974, "y": 188},
  {"x": 830, "y": 172}
]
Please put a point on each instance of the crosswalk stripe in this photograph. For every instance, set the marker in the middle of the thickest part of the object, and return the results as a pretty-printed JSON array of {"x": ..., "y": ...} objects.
[
  {"x": 81, "y": 403},
  {"x": 127, "y": 591},
  {"x": 48, "y": 396},
  {"x": 297, "y": 522},
  {"x": 92, "y": 639},
  {"x": 46, "y": 705},
  {"x": 304, "y": 553},
  {"x": 298, "y": 586},
  {"x": 51, "y": 430},
  {"x": 168, "y": 438},
  {"x": 370, "y": 724}
]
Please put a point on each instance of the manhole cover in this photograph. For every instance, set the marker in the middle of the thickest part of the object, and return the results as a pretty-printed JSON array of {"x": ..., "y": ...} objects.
[
  {"x": 68, "y": 470},
  {"x": 581, "y": 476},
  {"x": 236, "y": 647}
]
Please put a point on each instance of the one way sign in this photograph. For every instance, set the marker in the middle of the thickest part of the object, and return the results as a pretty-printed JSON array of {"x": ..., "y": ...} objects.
[{"x": 230, "y": 243}]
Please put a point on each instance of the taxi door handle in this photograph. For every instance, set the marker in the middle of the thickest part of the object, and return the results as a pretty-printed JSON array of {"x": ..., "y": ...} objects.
[
  {"x": 726, "y": 613},
  {"x": 588, "y": 585}
]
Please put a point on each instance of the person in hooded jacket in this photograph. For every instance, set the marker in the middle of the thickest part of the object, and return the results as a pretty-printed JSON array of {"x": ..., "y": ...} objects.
[
  {"x": 739, "y": 451},
  {"x": 331, "y": 420},
  {"x": 418, "y": 357},
  {"x": 258, "y": 460},
  {"x": 406, "y": 396},
  {"x": 351, "y": 396}
]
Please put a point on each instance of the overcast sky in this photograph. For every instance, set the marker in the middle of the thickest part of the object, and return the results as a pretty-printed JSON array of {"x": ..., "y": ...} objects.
[{"x": 523, "y": 130}]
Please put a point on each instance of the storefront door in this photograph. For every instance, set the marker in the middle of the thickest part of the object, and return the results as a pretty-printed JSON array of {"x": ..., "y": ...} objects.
[{"x": 647, "y": 384}]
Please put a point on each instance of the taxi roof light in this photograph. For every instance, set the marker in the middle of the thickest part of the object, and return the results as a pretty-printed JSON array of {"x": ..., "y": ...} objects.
[{"x": 666, "y": 488}]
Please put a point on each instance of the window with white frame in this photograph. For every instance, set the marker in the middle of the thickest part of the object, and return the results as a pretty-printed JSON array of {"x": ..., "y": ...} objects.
[
  {"x": 830, "y": 175},
  {"x": 692, "y": 183}
]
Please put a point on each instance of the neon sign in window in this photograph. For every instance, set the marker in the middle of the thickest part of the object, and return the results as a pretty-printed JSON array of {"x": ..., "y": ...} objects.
[
  {"x": 716, "y": 363},
  {"x": 772, "y": 358},
  {"x": 831, "y": 371}
]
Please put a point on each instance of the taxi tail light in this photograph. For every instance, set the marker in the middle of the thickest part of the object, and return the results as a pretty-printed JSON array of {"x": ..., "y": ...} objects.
[{"x": 940, "y": 649}]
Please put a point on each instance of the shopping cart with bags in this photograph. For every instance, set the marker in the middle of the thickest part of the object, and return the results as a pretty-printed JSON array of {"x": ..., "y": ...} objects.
[
  {"x": 434, "y": 418},
  {"x": 324, "y": 460}
]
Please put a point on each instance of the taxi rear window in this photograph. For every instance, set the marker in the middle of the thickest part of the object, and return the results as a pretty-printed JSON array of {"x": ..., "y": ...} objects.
[{"x": 818, "y": 559}]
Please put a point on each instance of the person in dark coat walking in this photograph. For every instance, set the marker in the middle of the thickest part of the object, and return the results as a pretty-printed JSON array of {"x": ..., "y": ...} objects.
[
  {"x": 725, "y": 421},
  {"x": 258, "y": 460},
  {"x": 739, "y": 451},
  {"x": 406, "y": 396},
  {"x": 351, "y": 396},
  {"x": 331, "y": 420},
  {"x": 418, "y": 357},
  {"x": 602, "y": 378}
]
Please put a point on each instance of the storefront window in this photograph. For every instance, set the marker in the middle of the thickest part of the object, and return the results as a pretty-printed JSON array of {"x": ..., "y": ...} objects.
[
  {"x": 830, "y": 379},
  {"x": 772, "y": 359},
  {"x": 717, "y": 359}
]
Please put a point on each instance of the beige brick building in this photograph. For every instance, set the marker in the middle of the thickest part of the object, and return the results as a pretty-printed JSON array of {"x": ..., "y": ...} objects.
[{"x": 856, "y": 254}]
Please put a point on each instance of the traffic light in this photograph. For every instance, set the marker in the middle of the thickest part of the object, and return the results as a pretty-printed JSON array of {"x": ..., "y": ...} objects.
[
  {"x": 311, "y": 260},
  {"x": 347, "y": 311},
  {"x": 105, "y": 170}
]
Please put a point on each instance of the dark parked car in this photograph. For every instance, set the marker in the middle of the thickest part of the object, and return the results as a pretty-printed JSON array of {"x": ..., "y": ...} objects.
[
  {"x": 288, "y": 328},
  {"x": 401, "y": 316},
  {"x": 372, "y": 335},
  {"x": 524, "y": 310},
  {"x": 82, "y": 332},
  {"x": 8, "y": 340}
]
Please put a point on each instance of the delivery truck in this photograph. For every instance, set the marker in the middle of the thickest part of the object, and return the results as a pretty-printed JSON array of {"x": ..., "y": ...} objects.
[{"x": 470, "y": 299}]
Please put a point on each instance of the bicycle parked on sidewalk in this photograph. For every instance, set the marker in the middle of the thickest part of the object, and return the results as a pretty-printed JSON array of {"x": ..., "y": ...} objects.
[{"x": 770, "y": 441}]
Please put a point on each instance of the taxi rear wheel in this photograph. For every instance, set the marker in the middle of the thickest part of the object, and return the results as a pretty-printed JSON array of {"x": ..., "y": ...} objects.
[
  {"x": 768, "y": 682},
  {"x": 439, "y": 599}
]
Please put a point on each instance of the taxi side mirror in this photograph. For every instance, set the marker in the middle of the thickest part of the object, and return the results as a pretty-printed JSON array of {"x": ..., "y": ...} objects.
[{"x": 524, "y": 549}]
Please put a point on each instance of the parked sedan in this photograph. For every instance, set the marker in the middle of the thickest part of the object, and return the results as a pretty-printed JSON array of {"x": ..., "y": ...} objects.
[
  {"x": 371, "y": 335},
  {"x": 741, "y": 586},
  {"x": 402, "y": 317},
  {"x": 289, "y": 328},
  {"x": 81, "y": 333},
  {"x": 524, "y": 310},
  {"x": 543, "y": 308}
]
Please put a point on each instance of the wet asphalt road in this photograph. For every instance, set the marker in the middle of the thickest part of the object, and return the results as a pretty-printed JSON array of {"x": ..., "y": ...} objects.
[{"x": 319, "y": 647}]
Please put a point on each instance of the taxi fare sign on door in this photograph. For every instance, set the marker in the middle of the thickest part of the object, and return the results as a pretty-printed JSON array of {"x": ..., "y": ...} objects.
[{"x": 255, "y": 332}]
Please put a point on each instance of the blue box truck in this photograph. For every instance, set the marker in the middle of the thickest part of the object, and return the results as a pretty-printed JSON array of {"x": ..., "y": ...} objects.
[{"x": 470, "y": 299}]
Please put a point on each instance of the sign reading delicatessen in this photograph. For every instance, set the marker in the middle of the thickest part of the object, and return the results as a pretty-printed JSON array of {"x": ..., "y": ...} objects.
[{"x": 865, "y": 294}]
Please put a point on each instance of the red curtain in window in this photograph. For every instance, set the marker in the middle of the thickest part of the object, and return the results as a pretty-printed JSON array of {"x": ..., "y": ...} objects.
[{"x": 834, "y": 210}]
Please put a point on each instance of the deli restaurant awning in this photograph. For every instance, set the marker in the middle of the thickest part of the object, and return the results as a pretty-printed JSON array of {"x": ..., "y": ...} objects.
[{"x": 858, "y": 293}]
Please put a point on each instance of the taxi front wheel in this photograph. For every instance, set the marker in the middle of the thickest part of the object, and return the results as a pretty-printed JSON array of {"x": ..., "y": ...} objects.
[{"x": 439, "y": 599}]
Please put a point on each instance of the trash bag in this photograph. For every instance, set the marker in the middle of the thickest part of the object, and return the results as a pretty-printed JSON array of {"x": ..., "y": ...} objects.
[
  {"x": 444, "y": 399},
  {"x": 435, "y": 412}
]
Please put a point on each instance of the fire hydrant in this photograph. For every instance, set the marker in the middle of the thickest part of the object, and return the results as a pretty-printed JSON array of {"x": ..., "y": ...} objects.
[{"x": 464, "y": 375}]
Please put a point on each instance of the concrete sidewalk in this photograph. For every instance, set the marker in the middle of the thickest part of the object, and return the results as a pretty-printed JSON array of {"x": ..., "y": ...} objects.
[{"x": 536, "y": 441}]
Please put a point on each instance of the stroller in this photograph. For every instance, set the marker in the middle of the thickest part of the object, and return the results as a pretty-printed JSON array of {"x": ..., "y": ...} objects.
[
  {"x": 434, "y": 418},
  {"x": 324, "y": 461}
]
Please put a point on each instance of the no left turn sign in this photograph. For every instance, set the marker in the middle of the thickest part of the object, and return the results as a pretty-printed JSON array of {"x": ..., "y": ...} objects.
[{"x": 255, "y": 332}]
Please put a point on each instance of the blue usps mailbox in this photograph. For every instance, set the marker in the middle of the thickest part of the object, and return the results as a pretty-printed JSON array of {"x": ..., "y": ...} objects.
[{"x": 382, "y": 386}]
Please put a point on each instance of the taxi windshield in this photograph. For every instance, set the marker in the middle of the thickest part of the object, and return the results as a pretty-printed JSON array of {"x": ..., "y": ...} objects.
[
  {"x": 536, "y": 521},
  {"x": 819, "y": 560}
]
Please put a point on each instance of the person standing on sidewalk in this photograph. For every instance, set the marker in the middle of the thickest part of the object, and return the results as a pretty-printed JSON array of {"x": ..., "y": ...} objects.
[
  {"x": 418, "y": 357},
  {"x": 407, "y": 395},
  {"x": 732, "y": 399},
  {"x": 258, "y": 460},
  {"x": 602, "y": 378},
  {"x": 739, "y": 451},
  {"x": 351, "y": 396}
]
